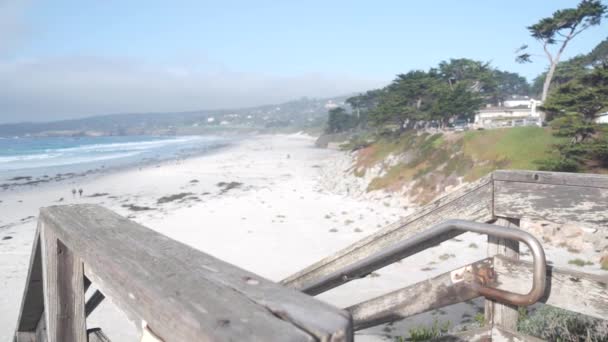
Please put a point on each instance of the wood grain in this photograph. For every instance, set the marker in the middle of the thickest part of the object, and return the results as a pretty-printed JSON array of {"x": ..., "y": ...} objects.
[
  {"x": 184, "y": 294},
  {"x": 574, "y": 291},
  {"x": 556, "y": 203},
  {"x": 496, "y": 313},
  {"x": 443, "y": 290},
  {"x": 32, "y": 304},
  {"x": 63, "y": 277}
]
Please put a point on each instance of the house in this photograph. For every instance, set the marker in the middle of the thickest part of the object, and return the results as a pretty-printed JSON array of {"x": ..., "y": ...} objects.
[
  {"x": 510, "y": 114},
  {"x": 518, "y": 101}
]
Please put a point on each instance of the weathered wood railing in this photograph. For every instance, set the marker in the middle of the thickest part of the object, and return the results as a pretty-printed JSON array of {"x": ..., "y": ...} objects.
[
  {"x": 182, "y": 293},
  {"x": 501, "y": 198},
  {"x": 186, "y": 295}
]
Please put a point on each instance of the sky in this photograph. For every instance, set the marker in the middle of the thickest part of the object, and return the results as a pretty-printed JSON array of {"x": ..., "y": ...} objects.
[{"x": 67, "y": 59}]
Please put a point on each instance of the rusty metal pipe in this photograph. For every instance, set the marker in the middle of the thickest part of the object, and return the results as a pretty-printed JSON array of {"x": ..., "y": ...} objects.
[{"x": 437, "y": 234}]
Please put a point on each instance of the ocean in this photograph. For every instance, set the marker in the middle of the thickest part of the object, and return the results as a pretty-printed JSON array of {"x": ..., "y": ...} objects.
[{"x": 27, "y": 159}]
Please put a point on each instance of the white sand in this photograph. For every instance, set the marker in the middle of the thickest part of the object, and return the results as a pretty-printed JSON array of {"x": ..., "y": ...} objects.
[{"x": 277, "y": 222}]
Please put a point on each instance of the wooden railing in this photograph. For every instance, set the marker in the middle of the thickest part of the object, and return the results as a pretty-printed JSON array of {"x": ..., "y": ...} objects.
[
  {"x": 186, "y": 295},
  {"x": 502, "y": 198},
  {"x": 182, "y": 293}
]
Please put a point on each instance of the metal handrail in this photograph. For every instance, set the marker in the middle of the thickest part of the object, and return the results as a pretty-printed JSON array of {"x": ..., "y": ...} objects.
[{"x": 428, "y": 239}]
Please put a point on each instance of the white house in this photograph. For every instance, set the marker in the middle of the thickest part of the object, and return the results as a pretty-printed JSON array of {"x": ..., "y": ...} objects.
[
  {"x": 519, "y": 101},
  {"x": 510, "y": 116}
]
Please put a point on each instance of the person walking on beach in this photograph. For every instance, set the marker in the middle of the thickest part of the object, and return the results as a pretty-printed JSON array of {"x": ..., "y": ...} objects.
[
  {"x": 73, "y": 193},
  {"x": 80, "y": 192}
]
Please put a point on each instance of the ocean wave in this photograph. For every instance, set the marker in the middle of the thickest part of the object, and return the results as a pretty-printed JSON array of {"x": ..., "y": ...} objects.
[
  {"x": 128, "y": 146},
  {"x": 28, "y": 157},
  {"x": 30, "y": 164}
]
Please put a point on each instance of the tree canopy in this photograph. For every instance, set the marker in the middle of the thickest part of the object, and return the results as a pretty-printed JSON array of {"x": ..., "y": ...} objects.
[
  {"x": 574, "y": 67},
  {"x": 559, "y": 29},
  {"x": 455, "y": 88}
]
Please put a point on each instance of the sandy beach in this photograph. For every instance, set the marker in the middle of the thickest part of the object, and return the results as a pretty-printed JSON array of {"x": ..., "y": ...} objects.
[{"x": 260, "y": 204}]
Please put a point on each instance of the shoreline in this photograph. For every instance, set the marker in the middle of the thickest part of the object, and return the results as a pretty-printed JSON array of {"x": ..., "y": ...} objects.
[{"x": 32, "y": 181}]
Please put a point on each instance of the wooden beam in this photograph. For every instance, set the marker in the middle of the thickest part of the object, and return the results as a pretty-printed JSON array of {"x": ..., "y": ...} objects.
[
  {"x": 27, "y": 336},
  {"x": 443, "y": 290},
  {"x": 554, "y": 197},
  {"x": 32, "y": 304},
  {"x": 184, "y": 294},
  {"x": 574, "y": 291},
  {"x": 63, "y": 290},
  {"x": 93, "y": 302},
  {"x": 552, "y": 178},
  {"x": 496, "y": 313},
  {"x": 471, "y": 202}
]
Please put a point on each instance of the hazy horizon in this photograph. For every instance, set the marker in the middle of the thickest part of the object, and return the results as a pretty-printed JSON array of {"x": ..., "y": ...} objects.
[{"x": 66, "y": 60}]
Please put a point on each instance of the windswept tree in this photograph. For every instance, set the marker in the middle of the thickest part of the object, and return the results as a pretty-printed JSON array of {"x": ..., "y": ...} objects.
[
  {"x": 558, "y": 30},
  {"x": 574, "y": 67},
  {"x": 585, "y": 96}
]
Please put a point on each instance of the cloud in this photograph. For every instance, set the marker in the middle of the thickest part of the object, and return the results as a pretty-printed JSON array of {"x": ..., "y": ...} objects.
[{"x": 41, "y": 90}]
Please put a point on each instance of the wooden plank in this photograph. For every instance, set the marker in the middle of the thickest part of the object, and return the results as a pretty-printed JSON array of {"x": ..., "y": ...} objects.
[
  {"x": 570, "y": 290},
  {"x": 93, "y": 302},
  {"x": 184, "y": 294},
  {"x": 552, "y": 178},
  {"x": 32, "y": 304},
  {"x": 443, "y": 290},
  {"x": 496, "y": 313},
  {"x": 501, "y": 334},
  {"x": 63, "y": 277},
  {"x": 472, "y": 202},
  {"x": 27, "y": 336},
  {"x": 556, "y": 203},
  {"x": 41, "y": 335}
]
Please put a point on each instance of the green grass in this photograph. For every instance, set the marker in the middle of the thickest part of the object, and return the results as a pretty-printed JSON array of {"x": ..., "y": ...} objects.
[
  {"x": 511, "y": 148},
  {"x": 424, "y": 333},
  {"x": 436, "y": 158}
]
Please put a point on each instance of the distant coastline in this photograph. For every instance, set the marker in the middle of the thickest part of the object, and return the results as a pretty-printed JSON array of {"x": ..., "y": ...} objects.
[{"x": 33, "y": 161}]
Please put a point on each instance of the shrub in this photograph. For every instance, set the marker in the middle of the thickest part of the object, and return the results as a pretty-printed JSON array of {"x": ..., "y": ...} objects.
[
  {"x": 423, "y": 333},
  {"x": 554, "y": 324},
  {"x": 580, "y": 262}
]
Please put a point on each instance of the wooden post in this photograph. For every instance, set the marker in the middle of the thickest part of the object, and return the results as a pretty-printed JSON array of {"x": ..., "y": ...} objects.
[
  {"x": 63, "y": 276},
  {"x": 496, "y": 313}
]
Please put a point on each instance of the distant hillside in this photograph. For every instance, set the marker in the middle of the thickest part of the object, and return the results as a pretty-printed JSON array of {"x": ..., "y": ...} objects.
[
  {"x": 422, "y": 166},
  {"x": 302, "y": 113}
]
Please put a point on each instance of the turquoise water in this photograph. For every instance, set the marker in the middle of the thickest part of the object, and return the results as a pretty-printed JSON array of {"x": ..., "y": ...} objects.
[{"x": 38, "y": 156}]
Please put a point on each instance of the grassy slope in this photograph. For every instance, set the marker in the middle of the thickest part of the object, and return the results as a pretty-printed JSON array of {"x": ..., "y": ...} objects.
[{"x": 436, "y": 161}]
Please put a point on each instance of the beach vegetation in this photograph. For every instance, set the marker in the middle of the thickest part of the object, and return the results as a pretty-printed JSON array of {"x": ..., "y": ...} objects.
[
  {"x": 425, "y": 333},
  {"x": 555, "y": 324},
  {"x": 580, "y": 262}
]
